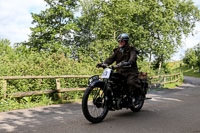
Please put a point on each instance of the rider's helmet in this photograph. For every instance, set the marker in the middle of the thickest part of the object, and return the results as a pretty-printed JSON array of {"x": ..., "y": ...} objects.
[{"x": 123, "y": 37}]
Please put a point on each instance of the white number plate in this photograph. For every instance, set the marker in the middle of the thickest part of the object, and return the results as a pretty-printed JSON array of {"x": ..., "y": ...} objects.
[{"x": 106, "y": 73}]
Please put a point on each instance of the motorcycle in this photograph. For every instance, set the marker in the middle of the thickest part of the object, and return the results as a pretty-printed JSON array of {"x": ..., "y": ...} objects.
[{"x": 109, "y": 93}]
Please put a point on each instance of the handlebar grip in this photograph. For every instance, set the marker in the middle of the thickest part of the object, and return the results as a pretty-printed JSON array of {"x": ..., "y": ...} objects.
[{"x": 119, "y": 66}]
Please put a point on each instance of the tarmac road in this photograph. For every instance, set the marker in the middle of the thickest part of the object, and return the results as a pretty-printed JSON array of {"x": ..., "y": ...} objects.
[{"x": 169, "y": 111}]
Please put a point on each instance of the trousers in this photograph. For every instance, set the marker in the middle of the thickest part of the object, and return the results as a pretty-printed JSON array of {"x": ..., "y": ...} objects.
[{"x": 133, "y": 81}]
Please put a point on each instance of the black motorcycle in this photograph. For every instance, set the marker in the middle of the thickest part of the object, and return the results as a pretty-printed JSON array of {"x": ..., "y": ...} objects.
[{"x": 108, "y": 94}]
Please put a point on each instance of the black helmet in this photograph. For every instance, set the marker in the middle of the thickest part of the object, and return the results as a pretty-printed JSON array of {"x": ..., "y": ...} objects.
[{"x": 123, "y": 37}]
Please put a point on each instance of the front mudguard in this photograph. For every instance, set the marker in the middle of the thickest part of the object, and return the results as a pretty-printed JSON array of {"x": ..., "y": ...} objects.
[{"x": 97, "y": 83}]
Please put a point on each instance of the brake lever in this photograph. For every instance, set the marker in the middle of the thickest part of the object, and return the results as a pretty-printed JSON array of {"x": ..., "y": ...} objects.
[{"x": 115, "y": 67}]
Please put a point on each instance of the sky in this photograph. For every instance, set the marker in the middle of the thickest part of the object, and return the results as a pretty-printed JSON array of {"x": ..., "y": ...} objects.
[
  {"x": 15, "y": 22},
  {"x": 15, "y": 18}
]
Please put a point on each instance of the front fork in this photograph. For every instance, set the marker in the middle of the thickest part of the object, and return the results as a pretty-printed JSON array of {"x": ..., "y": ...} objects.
[{"x": 108, "y": 95}]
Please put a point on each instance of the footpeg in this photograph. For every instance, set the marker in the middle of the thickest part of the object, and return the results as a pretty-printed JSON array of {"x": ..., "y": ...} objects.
[{"x": 147, "y": 98}]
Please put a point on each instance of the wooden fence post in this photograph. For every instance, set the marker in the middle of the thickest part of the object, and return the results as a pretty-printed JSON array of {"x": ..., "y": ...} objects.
[
  {"x": 58, "y": 88},
  {"x": 4, "y": 89},
  {"x": 164, "y": 81}
]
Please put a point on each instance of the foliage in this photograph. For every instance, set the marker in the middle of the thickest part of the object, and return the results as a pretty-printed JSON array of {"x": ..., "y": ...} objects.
[
  {"x": 192, "y": 57},
  {"x": 5, "y": 47},
  {"x": 155, "y": 27},
  {"x": 53, "y": 27},
  {"x": 17, "y": 62},
  {"x": 20, "y": 62}
]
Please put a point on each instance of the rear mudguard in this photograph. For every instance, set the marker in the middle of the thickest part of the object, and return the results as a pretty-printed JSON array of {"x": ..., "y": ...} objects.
[{"x": 97, "y": 83}]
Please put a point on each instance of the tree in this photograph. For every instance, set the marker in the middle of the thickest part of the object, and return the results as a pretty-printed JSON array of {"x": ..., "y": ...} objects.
[
  {"x": 197, "y": 52},
  {"x": 155, "y": 27},
  {"x": 54, "y": 27},
  {"x": 191, "y": 57},
  {"x": 5, "y": 48}
]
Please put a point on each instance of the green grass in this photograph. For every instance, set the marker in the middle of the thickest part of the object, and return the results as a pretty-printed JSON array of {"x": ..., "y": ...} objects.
[
  {"x": 26, "y": 102},
  {"x": 173, "y": 85},
  {"x": 184, "y": 68},
  {"x": 190, "y": 72},
  {"x": 7, "y": 105},
  {"x": 168, "y": 86},
  {"x": 174, "y": 65}
]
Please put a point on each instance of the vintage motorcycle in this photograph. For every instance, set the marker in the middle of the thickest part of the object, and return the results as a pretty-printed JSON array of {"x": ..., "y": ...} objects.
[{"x": 109, "y": 93}]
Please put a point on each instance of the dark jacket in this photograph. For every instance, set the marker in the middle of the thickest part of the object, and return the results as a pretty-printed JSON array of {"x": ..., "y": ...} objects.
[{"x": 126, "y": 54}]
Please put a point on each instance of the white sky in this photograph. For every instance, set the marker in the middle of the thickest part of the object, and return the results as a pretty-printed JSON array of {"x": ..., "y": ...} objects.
[
  {"x": 15, "y": 22},
  {"x": 15, "y": 18}
]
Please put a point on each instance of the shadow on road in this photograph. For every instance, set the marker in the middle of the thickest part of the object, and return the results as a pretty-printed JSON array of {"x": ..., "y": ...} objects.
[
  {"x": 37, "y": 119},
  {"x": 23, "y": 120}
]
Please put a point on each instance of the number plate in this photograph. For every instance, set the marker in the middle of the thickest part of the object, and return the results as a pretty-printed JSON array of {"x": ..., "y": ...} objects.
[{"x": 106, "y": 73}]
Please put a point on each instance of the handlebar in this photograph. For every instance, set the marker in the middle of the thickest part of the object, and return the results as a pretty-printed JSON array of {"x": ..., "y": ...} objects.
[
  {"x": 112, "y": 67},
  {"x": 118, "y": 66}
]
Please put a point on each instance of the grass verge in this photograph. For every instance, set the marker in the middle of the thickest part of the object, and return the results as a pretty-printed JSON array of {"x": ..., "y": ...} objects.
[
  {"x": 173, "y": 85},
  {"x": 191, "y": 73}
]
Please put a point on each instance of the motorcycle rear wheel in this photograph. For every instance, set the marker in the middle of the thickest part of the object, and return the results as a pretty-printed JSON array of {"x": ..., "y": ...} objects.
[
  {"x": 137, "y": 108},
  {"x": 93, "y": 104}
]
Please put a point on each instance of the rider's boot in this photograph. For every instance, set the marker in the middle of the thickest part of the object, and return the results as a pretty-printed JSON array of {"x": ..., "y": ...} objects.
[
  {"x": 137, "y": 97},
  {"x": 131, "y": 99},
  {"x": 137, "y": 100}
]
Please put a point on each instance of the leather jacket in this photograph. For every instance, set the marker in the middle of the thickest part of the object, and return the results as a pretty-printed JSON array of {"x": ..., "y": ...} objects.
[{"x": 126, "y": 54}]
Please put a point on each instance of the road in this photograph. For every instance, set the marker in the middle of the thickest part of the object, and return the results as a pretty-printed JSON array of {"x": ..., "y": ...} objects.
[{"x": 170, "y": 111}]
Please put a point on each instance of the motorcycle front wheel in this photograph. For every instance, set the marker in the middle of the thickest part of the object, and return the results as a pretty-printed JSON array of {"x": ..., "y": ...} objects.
[{"x": 94, "y": 105}]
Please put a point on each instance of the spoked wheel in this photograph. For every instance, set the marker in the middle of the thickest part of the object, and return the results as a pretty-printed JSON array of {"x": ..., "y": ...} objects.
[
  {"x": 93, "y": 104},
  {"x": 138, "y": 107}
]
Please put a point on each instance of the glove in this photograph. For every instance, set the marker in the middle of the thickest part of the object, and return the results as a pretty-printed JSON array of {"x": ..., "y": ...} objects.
[
  {"x": 125, "y": 63},
  {"x": 121, "y": 64},
  {"x": 101, "y": 65}
]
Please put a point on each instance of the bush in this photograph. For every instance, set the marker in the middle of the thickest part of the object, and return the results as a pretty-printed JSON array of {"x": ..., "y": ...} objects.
[{"x": 23, "y": 62}]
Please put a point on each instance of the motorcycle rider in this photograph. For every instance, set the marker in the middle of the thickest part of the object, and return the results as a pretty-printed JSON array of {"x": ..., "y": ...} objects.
[{"x": 126, "y": 55}]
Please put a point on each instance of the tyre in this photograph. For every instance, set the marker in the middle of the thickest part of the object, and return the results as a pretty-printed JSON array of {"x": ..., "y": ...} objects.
[
  {"x": 138, "y": 107},
  {"x": 93, "y": 104}
]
